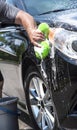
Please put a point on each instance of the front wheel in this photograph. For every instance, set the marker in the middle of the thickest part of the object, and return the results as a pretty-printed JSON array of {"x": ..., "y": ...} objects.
[{"x": 39, "y": 102}]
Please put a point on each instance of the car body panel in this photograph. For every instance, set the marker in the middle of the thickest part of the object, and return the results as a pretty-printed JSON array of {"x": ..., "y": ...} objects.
[
  {"x": 11, "y": 44},
  {"x": 16, "y": 59},
  {"x": 64, "y": 94}
]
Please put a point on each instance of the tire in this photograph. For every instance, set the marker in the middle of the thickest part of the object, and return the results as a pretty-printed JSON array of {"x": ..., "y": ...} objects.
[{"x": 39, "y": 103}]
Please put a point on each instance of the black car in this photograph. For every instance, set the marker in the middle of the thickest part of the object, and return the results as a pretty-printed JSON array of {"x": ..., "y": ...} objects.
[{"x": 48, "y": 87}]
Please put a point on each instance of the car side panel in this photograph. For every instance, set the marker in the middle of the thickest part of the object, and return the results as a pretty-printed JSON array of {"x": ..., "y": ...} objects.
[{"x": 12, "y": 46}]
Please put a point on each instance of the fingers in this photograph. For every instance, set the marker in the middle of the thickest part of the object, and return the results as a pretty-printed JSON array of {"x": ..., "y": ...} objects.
[
  {"x": 36, "y": 44},
  {"x": 36, "y": 36}
]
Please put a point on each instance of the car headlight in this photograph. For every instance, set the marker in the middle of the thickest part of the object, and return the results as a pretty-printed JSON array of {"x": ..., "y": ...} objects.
[{"x": 65, "y": 41}]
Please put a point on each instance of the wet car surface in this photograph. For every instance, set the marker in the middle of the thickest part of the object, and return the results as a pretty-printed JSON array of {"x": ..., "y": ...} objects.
[{"x": 48, "y": 88}]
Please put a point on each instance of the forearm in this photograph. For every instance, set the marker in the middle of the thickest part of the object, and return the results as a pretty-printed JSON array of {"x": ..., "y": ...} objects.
[
  {"x": 26, "y": 20},
  {"x": 15, "y": 15}
]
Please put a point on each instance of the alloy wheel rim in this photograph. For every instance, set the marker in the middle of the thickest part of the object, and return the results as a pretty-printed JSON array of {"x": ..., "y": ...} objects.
[{"x": 41, "y": 104}]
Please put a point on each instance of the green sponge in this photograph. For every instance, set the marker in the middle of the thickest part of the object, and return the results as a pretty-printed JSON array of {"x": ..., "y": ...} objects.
[
  {"x": 44, "y": 27},
  {"x": 42, "y": 52}
]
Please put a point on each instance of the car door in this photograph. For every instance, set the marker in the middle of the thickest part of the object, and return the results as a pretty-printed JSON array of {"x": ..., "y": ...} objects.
[{"x": 12, "y": 44}]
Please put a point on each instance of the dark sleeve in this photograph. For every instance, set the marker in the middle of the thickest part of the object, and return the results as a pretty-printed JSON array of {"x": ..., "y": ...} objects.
[{"x": 8, "y": 12}]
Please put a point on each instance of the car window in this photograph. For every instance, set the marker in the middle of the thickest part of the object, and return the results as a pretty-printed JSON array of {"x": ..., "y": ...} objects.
[{"x": 36, "y": 7}]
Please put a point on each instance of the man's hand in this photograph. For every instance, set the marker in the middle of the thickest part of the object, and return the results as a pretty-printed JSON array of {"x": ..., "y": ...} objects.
[
  {"x": 35, "y": 36},
  {"x": 27, "y": 21}
]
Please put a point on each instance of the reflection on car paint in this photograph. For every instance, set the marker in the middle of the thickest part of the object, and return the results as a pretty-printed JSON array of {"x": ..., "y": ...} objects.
[{"x": 12, "y": 45}]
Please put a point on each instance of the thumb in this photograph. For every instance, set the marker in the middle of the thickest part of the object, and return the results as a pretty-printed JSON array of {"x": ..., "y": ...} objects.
[{"x": 37, "y": 44}]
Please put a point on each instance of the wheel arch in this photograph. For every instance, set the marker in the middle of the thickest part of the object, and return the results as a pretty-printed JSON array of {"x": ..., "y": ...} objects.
[{"x": 26, "y": 63}]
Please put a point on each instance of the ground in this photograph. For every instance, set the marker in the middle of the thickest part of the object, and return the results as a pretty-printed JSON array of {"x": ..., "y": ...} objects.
[{"x": 24, "y": 121}]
